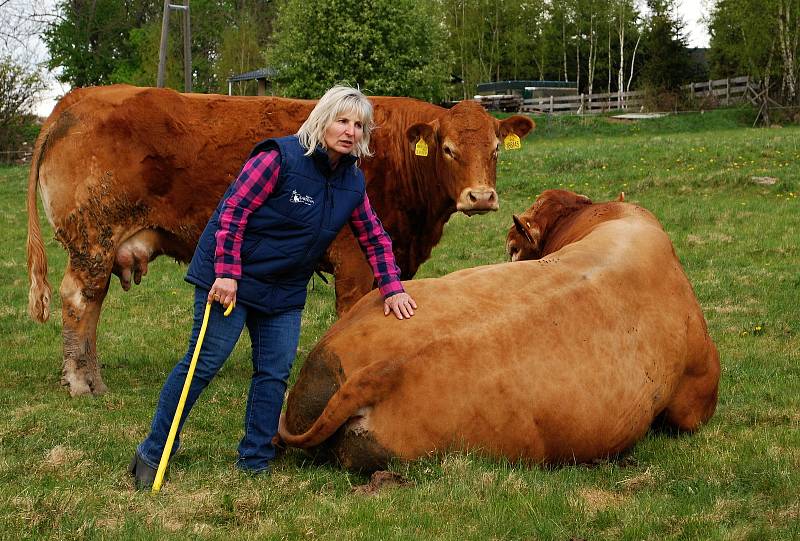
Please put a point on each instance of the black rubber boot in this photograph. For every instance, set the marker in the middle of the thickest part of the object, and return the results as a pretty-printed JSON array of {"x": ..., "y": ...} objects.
[{"x": 142, "y": 473}]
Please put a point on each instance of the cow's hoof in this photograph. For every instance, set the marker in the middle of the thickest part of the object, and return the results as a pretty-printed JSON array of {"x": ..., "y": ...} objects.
[
  {"x": 76, "y": 387},
  {"x": 79, "y": 386},
  {"x": 381, "y": 479},
  {"x": 99, "y": 388}
]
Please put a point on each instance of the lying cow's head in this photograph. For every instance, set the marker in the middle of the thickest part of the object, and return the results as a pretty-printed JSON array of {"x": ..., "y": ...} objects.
[
  {"x": 463, "y": 144},
  {"x": 527, "y": 238}
]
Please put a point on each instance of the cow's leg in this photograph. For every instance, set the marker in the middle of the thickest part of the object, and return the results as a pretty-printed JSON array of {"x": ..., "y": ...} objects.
[
  {"x": 695, "y": 399},
  {"x": 82, "y": 297},
  {"x": 352, "y": 273}
]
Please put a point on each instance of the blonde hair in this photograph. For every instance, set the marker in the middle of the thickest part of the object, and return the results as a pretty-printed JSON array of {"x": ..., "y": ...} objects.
[{"x": 337, "y": 100}]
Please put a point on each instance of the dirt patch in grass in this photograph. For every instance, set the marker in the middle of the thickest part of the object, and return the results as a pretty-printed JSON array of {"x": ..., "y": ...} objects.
[
  {"x": 784, "y": 515},
  {"x": 27, "y": 409},
  {"x": 728, "y": 308},
  {"x": 764, "y": 181},
  {"x": 723, "y": 509},
  {"x": 109, "y": 523},
  {"x": 715, "y": 238},
  {"x": 60, "y": 456},
  {"x": 638, "y": 482},
  {"x": 596, "y": 499},
  {"x": 515, "y": 483}
]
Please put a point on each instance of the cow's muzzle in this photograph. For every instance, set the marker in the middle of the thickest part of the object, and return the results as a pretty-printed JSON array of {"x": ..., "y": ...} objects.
[{"x": 477, "y": 201}]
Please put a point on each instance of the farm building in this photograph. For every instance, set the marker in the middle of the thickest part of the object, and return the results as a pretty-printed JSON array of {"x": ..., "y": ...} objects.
[
  {"x": 509, "y": 95},
  {"x": 263, "y": 77},
  {"x": 528, "y": 89}
]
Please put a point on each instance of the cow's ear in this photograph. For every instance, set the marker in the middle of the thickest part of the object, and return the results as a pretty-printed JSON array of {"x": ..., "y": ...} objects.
[
  {"x": 517, "y": 124},
  {"x": 422, "y": 130},
  {"x": 524, "y": 228}
]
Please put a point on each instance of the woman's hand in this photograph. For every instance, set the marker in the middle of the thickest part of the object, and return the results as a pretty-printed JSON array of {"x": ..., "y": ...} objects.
[
  {"x": 402, "y": 305},
  {"x": 223, "y": 291}
]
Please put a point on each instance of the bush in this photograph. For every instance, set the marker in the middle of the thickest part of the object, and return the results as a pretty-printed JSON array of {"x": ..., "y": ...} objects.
[
  {"x": 19, "y": 87},
  {"x": 384, "y": 47}
]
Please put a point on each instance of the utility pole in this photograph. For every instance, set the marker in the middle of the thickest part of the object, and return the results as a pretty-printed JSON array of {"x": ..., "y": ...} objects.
[{"x": 187, "y": 45}]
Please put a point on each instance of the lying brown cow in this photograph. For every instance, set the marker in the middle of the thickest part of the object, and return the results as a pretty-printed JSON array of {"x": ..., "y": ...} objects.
[
  {"x": 566, "y": 358},
  {"x": 127, "y": 174}
]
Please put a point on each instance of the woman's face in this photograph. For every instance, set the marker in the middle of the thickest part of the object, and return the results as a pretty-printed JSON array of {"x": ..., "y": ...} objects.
[{"x": 343, "y": 134}]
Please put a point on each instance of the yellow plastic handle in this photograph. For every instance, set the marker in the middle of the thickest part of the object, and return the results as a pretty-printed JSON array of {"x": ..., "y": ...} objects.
[
  {"x": 173, "y": 430},
  {"x": 162, "y": 465}
]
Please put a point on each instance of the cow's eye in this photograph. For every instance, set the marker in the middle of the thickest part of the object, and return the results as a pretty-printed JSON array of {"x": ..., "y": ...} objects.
[{"x": 449, "y": 152}]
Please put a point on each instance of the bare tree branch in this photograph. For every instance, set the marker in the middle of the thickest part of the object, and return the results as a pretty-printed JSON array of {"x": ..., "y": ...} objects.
[{"x": 22, "y": 23}]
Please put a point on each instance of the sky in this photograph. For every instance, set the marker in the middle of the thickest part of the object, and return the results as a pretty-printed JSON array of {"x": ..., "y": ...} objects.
[{"x": 691, "y": 11}]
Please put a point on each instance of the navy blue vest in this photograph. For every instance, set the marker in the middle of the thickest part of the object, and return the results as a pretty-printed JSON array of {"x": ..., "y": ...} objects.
[{"x": 290, "y": 232}]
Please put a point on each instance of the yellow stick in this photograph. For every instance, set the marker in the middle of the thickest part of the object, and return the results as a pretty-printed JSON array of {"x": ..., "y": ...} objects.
[{"x": 162, "y": 465}]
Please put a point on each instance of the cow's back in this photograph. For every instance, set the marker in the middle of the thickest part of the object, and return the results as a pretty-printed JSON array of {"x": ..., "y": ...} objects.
[
  {"x": 565, "y": 358},
  {"x": 152, "y": 156}
]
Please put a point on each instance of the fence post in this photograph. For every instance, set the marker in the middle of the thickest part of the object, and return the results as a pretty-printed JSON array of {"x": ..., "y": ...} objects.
[
  {"x": 582, "y": 110},
  {"x": 728, "y": 91},
  {"x": 551, "y": 105}
]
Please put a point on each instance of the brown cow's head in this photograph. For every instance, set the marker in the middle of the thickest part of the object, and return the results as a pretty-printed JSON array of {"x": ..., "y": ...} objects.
[
  {"x": 527, "y": 238},
  {"x": 463, "y": 144}
]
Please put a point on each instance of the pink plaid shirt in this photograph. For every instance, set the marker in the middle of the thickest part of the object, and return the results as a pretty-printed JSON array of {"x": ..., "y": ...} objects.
[{"x": 254, "y": 184}]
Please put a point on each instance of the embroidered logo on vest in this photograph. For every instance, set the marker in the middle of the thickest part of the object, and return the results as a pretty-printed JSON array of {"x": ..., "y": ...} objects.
[{"x": 304, "y": 199}]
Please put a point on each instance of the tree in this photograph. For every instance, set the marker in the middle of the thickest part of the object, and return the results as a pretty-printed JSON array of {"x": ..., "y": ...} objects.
[
  {"x": 666, "y": 63},
  {"x": 90, "y": 38},
  {"x": 242, "y": 46},
  {"x": 19, "y": 88},
  {"x": 788, "y": 33},
  {"x": 209, "y": 19},
  {"x": 117, "y": 41},
  {"x": 758, "y": 38},
  {"x": 393, "y": 47}
]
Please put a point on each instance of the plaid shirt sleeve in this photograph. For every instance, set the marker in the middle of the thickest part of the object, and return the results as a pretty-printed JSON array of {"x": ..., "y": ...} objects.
[
  {"x": 377, "y": 246},
  {"x": 252, "y": 187}
]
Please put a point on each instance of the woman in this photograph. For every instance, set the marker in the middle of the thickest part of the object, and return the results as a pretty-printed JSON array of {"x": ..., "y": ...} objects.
[{"x": 258, "y": 251}]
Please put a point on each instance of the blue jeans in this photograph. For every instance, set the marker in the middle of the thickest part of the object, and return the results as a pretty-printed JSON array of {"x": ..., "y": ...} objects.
[{"x": 274, "y": 339}]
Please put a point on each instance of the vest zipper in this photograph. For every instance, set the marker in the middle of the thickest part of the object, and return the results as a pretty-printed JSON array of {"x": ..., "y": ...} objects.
[
  {"x": 320, "y": 224},
  {"x": 333, "y": 203}
]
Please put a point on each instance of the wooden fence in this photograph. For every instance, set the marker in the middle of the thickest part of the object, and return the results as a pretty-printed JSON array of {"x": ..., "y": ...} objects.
[{"x": 722, "y": 91}]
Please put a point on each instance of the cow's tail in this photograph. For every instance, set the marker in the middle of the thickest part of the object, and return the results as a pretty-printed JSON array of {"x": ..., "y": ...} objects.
[
  {"x": 364, "y": 388},
  {"x": 39, "y": 294}
]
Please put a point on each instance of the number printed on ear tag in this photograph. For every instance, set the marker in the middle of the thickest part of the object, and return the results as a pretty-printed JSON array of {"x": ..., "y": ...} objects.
[
  {"x": 421, "y": 148},
  {"x": 512, "y": 142}
]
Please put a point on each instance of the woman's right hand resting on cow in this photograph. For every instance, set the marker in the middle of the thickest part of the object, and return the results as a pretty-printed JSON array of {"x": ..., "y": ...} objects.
[{"x": 259, "y": 250}]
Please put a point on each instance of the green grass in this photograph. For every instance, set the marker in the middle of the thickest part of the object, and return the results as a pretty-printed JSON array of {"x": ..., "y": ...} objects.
[{"x": 62, "y": 460}]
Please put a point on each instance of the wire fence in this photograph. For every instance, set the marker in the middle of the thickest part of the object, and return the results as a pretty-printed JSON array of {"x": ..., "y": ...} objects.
[{"x": 18, "y": 156}]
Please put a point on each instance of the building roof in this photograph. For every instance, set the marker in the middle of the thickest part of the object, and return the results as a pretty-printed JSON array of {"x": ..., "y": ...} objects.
[{"x": 263, "y": 73}]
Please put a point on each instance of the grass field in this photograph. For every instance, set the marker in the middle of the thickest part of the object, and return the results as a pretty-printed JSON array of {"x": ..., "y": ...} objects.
[{"x": 726, "y": 194}]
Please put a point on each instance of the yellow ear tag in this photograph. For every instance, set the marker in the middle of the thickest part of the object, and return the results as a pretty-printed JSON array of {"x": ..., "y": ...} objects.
[
  {"x": 421, "y": 148},
  {"x": 512, "y": 142}
]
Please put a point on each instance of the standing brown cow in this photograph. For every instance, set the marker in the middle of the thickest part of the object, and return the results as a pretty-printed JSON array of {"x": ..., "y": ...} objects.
[
  {"x": 565, "y": 358},
  {"x": 127, "y": 174}
]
